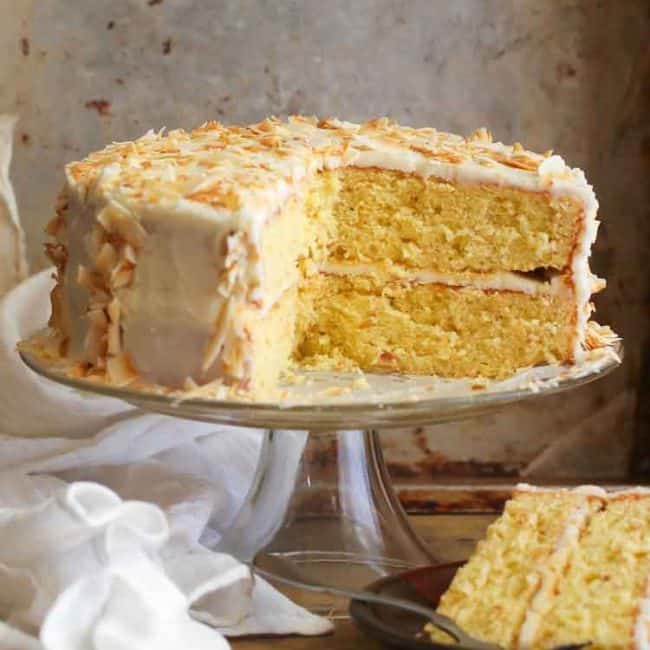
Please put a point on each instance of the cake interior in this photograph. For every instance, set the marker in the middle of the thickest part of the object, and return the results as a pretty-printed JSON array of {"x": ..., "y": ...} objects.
[
  {"x": 576, "y": 566},
  {"x": 613, "y": 558},
  {"x": 505, "y": 569},
  {"x": 346, "y": 261}
]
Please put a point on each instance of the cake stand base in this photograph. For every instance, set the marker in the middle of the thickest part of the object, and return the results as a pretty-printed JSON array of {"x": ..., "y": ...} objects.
[{"x": 321, "y": 510}]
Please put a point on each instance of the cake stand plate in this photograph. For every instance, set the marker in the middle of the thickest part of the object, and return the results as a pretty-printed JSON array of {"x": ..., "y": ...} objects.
[{"x": 321, "y": 502}]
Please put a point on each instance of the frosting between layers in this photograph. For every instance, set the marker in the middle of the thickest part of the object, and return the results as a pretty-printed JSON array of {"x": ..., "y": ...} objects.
[
  {"x": 233, "y": 179},
  {"x": 550, "y": 572},
  {"x": 499, "y": 281}
]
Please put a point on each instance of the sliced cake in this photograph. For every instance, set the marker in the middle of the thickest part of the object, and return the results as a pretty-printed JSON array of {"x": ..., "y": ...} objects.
[
  {"x": 504, "y": 588},
  {"x": 559, "y": 568},
  {"x": 226, "y": 254}
]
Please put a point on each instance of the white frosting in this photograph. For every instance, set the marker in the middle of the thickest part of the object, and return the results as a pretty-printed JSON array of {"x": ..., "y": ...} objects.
[
  {"x": 500, "y": 281},
  {"x": 642, "y": 623},
  {"x": 13, "y": 261},
  {"x": 583, "y": 490},
  {"x": 549, "y": 572},
  {"x": 204, "y": 198}
]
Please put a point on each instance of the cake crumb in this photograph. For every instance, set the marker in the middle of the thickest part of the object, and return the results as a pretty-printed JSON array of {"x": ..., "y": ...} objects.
[{"x": 360, "y": 382}]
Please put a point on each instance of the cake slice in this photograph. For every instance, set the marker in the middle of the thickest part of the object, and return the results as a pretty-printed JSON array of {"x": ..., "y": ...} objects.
[
  {"x": 504, "y": 588},
  {"x": 227, "y": 254},
  {"x": 559, "y": 568}
]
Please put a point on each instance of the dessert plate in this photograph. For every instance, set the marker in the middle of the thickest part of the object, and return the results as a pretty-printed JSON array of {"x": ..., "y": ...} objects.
[{"x": 320, "y": 400}]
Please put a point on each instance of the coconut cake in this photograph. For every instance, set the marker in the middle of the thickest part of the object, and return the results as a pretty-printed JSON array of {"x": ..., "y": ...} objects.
[
  {"x": 560, "y": 567},
  {"x": 229, "y": 253}
]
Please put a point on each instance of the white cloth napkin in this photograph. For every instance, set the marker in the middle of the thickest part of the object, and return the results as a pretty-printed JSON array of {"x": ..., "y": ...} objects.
[
  {"x": 108, "y": 514},
  {"x": 104, "y": 513},
  {"x": 13, "y": 264}
]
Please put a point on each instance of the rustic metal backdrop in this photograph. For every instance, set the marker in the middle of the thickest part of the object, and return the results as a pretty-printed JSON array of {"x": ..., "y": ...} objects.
[{"x": 571, "y": 75}]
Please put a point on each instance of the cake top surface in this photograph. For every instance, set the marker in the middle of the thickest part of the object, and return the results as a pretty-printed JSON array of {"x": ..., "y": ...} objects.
[{"x": 251, "y": 169}]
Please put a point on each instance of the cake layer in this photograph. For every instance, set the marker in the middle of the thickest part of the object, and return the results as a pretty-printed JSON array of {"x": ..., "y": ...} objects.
[
  {"x": 601, "y": 597},
  {"x": 428, "y": 223},
  {"x": 491, "y": 595},
  {"x": 431, "y": 328}
]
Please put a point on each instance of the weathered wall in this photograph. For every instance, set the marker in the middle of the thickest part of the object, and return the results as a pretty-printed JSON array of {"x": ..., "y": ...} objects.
[{"x": 561, "y": 74}]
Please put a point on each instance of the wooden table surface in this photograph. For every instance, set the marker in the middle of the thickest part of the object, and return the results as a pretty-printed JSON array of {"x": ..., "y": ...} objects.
[{"x": 450, "y": 537}]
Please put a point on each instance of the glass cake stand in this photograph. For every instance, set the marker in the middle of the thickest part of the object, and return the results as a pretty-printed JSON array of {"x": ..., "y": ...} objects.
[{"x": 321, "y": 509}]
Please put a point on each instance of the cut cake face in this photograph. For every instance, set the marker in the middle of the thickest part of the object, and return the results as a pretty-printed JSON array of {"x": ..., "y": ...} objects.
[{"x": 227, "y": 254}]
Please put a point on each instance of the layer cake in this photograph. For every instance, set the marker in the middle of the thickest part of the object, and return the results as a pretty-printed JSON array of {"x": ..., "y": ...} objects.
[
  {"x": 559, "y": 567},
  {"x": 226, "y": 254}
]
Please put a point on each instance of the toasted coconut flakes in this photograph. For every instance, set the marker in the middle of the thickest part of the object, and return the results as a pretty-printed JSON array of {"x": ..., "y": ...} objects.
[
  {"x": 120, "y": 370},
  {"x": 106, "y": 258},
  {"x": 127, "y": 252},
  {"x": 597, "y": 284},
  {"x": 218, "y": 338},
  {"x": 480, "y": 135},
  {"x": 114, "y": 342},
  {"x": 97, "y": 318},
  {"x": 217, "y": 198},
  {"x": 327, "y": 123},
  {"x": 122, "y": 275},
  {"x": 599, "y": 336},
  {"x": 113, "y": 311},
  {"x": 95, "y": 341},
  {"x": 61, "y": 203},
  {"x": 56, "y": 317},
  {"x": 113, "y": 339},
  {"x": 517, "y": 162},
  {"x": 95, "y": 241},
  {"x": 420, "y": 149},
  {"x": 236, "y": 250},
  {"x": 234, "y": 361},
  {"x": 77, "y": 370},
  {"x": 447, "y": 156},
  {"x": 55, "y": 226},
  {"x": 132, "y": 232},
  {"x": 189, "y": 384},
  {"x": 57, "y": 253},
  {"x": 117, "y": 221},
  {"x": 64, "y": 344},
  {"x": 86, "y": 279},
  {"x": 99, "y": 299}
]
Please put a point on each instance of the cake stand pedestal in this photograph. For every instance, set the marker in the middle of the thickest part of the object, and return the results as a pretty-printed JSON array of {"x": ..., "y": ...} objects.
[
  {"x": 321, "y": 509},
  {"x": 333, "y": 515}
]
